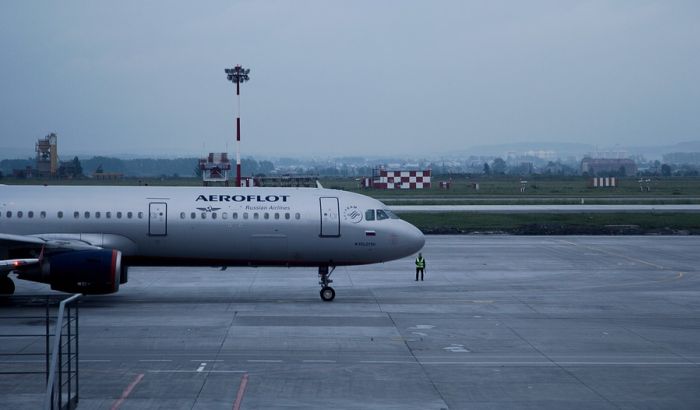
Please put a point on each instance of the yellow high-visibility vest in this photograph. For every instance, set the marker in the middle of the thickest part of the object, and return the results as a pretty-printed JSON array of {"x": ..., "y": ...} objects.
[{"x": 420, "y": 263}]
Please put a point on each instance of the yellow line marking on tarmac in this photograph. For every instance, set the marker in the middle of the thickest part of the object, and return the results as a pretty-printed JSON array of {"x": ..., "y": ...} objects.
[
  {"x": 615, "y": 254},
  {"x": 678, "y": 276}
]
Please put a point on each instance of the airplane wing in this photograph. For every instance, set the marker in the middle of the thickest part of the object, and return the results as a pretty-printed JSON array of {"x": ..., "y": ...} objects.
[
  {"x": 31, "y": 245},
  {"x": 8, "y": 265}
]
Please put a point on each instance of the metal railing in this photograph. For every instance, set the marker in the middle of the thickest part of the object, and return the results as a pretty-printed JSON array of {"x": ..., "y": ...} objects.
[
  {"x": 63, "y": 381},
  {"x": 26, "y": 338}
]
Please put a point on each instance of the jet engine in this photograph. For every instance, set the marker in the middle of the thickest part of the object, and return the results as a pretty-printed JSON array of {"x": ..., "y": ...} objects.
[{"x": 94, "y": 271}]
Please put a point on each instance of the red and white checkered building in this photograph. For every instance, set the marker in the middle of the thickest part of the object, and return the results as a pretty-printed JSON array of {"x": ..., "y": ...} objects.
[{"x": 399, "y": 180}]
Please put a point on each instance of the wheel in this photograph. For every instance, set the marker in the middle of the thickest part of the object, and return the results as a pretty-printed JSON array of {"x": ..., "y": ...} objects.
[
  {"x": 327, "y": 294},
  {"x": 7, "y": 286}
]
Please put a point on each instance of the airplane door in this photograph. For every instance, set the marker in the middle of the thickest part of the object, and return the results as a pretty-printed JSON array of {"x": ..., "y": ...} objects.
[
  {"x": 330, "y": 217},
  {"x": 158, "y": 219}
]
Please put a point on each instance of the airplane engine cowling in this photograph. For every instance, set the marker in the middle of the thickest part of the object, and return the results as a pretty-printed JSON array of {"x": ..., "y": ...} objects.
[{"x": 87, "y": 272}]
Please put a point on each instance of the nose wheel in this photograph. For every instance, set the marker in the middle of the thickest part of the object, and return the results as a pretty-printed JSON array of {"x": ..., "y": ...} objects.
[
  {"x": 7, "y": 286},
  {"x": 327, "y": 292}
]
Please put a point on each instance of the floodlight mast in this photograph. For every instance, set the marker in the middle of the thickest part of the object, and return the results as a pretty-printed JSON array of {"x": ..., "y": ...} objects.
[{"x": 238, "y": 75}]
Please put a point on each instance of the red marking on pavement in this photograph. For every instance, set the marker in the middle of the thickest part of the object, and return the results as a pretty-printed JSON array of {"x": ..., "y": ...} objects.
[
  {"x": 241, "y": 392},
  {"x": 127, "y": 391}
]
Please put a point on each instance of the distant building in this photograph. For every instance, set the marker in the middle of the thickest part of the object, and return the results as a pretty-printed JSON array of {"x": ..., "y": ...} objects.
[
  {"x": 215, "y": 168},
  {"x": 608, "y": 166},
  {"x": 47, "y": 156},
  {"x": 690, "y": 158}
]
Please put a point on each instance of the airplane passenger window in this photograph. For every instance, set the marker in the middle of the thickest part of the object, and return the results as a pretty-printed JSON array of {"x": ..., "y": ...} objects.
[
  {"x": 60, "y": 214},
  {"x": 245, "y": 215},
  {"x": 76, "y": 214},
  {"x": 108, "y": 214},
  {"x": 213, "y": 215},
  {"x": 224, "y": 215},
  {"x": 140, "y": 215},
  {"x": 381, "y": 215},
  {"x": 204, "y": 215},
  {"x": 30, "y": 214},
  {"x": 256, "y": 216},
  {"x": 234, "y": 215},
  {"x": 87, "y": 214},
  {"x": 119, "y": 215},
  {"x": 297, "y": 215},
  {"x": 19, "y": 214},
  {"x": 286, "y": 215},
  {"x": 182, "y": 215},
  {"x": 193, "y": 215},
  {"x": 369, "y": 215},
  {"x": 266, "y": 215},
  {"x": 277, "y": 215},
  {"x": 42, "y": 214},
  {"x": 9, "y": 214},
  {"x": 129, "y": 215},
  {"x": 97, "y": 214}
]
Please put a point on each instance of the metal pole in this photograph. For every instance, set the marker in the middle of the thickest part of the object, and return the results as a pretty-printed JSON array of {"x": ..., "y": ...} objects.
[
  {"x": 70, "y": 359},
  {"x": 77, "y": 355},
  {"x": 238, "y": 133},
  {"x": 238, "y": 75},
  {"x": 60, "y": 368},
  {"x": 47, "y": 339}
]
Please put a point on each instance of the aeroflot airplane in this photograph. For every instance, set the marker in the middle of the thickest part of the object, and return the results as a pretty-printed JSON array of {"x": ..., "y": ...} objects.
[{"x": 83, "y": 239}]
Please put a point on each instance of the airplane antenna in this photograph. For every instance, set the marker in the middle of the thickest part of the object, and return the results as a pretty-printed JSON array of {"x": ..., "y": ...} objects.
[{"x": 238, "y": 75}]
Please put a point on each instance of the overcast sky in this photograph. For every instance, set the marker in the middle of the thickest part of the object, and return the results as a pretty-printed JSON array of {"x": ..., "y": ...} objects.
[{"x": 347, "y": 77}]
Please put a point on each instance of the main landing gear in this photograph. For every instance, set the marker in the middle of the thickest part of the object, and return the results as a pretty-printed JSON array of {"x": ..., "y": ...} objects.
[
  {"x": 327, "y": 292},
  {"x": 7, "y": 286}
]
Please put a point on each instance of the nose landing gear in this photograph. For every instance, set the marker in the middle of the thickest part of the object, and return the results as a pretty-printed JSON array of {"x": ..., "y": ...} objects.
[
  {"x": 327, "y": 292},
  {"x": 7, "y": 286}
]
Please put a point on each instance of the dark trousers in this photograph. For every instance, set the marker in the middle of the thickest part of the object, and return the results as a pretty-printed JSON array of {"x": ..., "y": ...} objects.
[{"x": 421, "y": 273}]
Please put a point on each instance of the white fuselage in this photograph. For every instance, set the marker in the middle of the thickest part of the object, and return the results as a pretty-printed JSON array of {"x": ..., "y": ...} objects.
[{"x": 212, "y": 226}]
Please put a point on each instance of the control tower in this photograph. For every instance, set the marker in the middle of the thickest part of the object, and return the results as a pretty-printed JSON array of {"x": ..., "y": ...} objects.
[{"x": 47, "y": 156}]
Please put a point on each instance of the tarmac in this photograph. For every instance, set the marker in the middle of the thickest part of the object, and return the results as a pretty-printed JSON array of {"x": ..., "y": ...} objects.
[{"x": 500, "y": 322}]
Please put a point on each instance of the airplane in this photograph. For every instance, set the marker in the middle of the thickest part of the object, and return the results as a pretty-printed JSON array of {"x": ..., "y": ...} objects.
[{"x": 85, "y": 238}]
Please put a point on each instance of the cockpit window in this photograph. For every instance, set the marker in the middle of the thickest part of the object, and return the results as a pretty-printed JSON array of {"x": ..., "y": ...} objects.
[
  {"x": 369, "y": 215},
  {"x": 381, "y": 215},
  {"x": 391, "y": 214}
]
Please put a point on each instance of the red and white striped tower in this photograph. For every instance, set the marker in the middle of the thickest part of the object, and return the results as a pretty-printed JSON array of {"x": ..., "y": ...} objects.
[{"x": 238, "y": 75}]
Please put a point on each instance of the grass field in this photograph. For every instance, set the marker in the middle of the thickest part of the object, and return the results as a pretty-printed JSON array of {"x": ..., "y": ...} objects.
[
  {"x": 492, "y": 187},
  {"x": 576, "y": 187}
]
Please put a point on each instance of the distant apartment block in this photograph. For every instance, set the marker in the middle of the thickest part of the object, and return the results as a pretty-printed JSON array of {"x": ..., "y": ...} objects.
[
  {"x": 608, "y": 166},
  {"x": 691, "y": 158}
]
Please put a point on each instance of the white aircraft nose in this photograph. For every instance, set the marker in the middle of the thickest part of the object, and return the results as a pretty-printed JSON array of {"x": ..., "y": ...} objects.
[
  {"x": 417, "y": 240},
  {"x": 412, "y": 239}
]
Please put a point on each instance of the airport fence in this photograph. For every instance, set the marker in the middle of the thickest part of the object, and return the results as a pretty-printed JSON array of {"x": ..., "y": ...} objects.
[{"x": 39, "y": 340}]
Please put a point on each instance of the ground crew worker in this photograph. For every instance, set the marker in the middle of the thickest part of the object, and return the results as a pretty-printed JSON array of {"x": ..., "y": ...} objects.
[{"x": 420, "y": 266}]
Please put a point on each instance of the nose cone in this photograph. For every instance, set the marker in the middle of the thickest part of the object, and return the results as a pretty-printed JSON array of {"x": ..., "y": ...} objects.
[{"x": 412, "y": 239}]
